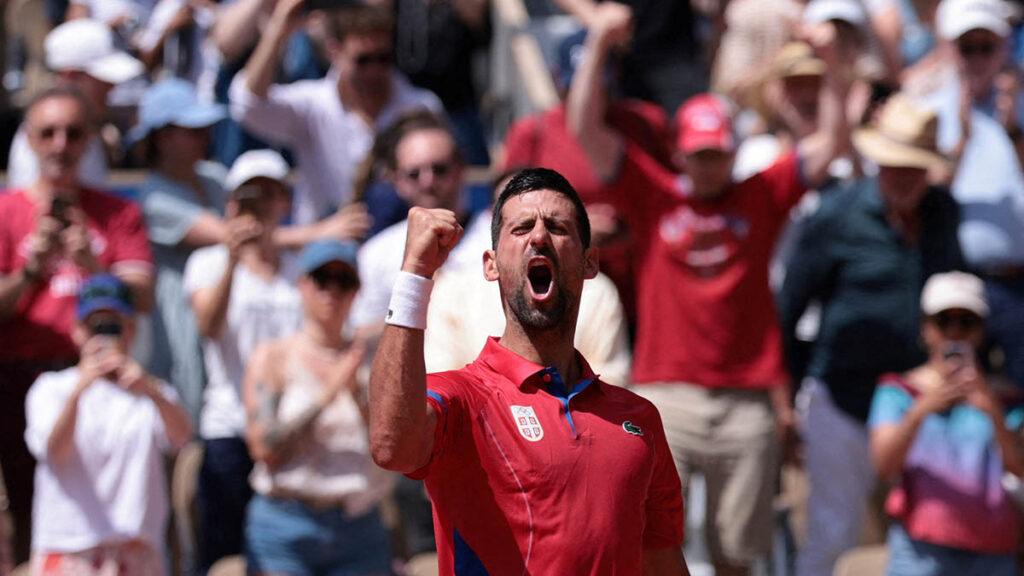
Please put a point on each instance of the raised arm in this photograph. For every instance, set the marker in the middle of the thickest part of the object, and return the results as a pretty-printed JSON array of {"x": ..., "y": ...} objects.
[
  {"x": 611, "y": 26},
  {"x": 833, "y": 134},
  {"x": 210, "y": 305},
  {"x": 890, "y": 443},
  {"x": 402, "y": 424},
  {"x": 260, "y": 69}
]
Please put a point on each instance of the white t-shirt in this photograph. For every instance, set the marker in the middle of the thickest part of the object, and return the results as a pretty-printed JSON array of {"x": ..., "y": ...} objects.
[
  {"x": 258, "y": 310},
  {"x": 380, "y": 261},
  {"x": 113, "y": 488}
]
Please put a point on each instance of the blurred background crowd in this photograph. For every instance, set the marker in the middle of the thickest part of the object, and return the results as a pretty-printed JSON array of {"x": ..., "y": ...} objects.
[{"x": 810, "y": 217}]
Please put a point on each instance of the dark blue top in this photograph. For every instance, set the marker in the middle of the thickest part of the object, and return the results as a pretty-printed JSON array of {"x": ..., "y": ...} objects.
[{"x": 868, "y": 280}]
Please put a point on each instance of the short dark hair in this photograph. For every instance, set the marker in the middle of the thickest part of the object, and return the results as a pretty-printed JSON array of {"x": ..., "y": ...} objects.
[
  {"x": 532, "y": 180},
  {"x": 358, "y": 20},
  {"x": 414, "y": 121},
  {"x": 60, "y": 92}
]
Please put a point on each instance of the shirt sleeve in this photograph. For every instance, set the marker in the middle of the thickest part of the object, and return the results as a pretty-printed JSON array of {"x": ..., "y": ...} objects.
[
  {"x": 279, "y": 118},
  {"x": 204, "y": 268},
  {"x": 42, "y": 407},
  {"x": 159, "y": 431},
  {"x": 445, "y": 396},
  {"x": 888, "y": 406},
  {"x": 131, "y": 243},
  {"x": 169, "y": 217},
  {"x": 664, "y": 505}
]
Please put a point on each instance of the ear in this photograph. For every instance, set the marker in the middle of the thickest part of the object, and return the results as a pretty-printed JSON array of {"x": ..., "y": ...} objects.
[
  {"x": 490, "y": 266},
  {"x": 590, "y": 263}
]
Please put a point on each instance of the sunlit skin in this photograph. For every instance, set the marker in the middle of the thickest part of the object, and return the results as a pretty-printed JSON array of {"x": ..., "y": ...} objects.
[
  {"x": 540, "y": 263},
  {"x": 710, "y": 171},
  {"x": 327, "y": 305},
  {"x": 903, "y": 188},
  {"x": 370, "y": 80},
  {"x": 58, "y": 131},
  {"x": 980, "y": 55},
  {"x": 418, "y": 153}
]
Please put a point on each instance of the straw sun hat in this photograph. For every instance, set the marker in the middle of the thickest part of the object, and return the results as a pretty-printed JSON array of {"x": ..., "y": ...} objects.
[{"x": 903, "y": 136}]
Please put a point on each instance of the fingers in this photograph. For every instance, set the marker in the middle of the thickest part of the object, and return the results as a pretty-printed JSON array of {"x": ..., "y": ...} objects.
[{"x": 432, "y": 233}]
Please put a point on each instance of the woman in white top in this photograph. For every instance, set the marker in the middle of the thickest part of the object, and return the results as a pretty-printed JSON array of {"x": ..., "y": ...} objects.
[
  {"x": 315, "y": 509},
  {"x": 100, "y": 431}
]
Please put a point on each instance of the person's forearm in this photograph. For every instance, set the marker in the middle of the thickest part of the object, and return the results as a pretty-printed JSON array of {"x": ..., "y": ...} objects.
[
  {"x": 271, "y": 438},
  {"x": 833, "y": 134},
  {"x": 176, "y": 423},
  {"x": 586, "y": 106},
  {"x": 141, "y": 285},
  {"x": 61, "y": 442},
  {"x": 294, "y": 237},
  {"x": 259, "y": 70},
  {"x": 1008, "y": 442},
  {"x": 581, "y": 9},
  {"x": 889, "y": 448},
  {"x": 12, "y": 287},
  {"x": 211, "y": 309},
  {"x": 237, "y": 28},
  {"x": 398, "y": 401}
]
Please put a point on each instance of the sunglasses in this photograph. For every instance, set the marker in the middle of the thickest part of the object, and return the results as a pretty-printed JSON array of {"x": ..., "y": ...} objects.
[
  {"x": 438, "y": 169},
  {"x": 72, "y": 133},
  {"x": 106, "y": 327},
  {"x": 324, "y": 279},
  {"x": 965, "y": 321},
  {"x": 968, "y": 50},
  {"x": 371, "y": 58}
]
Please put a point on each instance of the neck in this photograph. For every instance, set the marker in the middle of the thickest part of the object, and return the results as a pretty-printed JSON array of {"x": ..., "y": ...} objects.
[
  {"x": 261, "y": 253},
  {"x": 367, "y": 106},
  {"x": 548, "y": 348},
  {"x": 322, "y": 336}
]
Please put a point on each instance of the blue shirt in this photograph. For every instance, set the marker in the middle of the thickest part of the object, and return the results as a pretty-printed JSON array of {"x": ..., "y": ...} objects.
[{"x": 868, "y": 280}]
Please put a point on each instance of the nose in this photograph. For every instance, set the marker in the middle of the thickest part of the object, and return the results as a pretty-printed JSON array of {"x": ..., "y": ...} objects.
[{"x": 540, "y": 236}]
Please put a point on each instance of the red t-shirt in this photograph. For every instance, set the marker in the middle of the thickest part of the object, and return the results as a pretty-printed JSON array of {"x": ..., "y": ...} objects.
[
  {"x": 524, "y": 481},
  {"x": 705, "y": 314},
  {"x": 41, "y": 326},
  {"x": 545, "y": 140}
]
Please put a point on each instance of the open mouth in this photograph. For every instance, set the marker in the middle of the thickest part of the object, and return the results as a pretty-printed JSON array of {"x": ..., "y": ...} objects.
[{"x": 541, "y": 275}]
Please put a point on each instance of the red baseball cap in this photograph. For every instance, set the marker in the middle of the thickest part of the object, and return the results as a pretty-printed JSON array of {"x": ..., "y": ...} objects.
[{"x": 703, "y": 122}]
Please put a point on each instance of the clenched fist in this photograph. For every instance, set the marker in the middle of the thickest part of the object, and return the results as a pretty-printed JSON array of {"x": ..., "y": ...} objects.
[{"x": 431, "y": 235}]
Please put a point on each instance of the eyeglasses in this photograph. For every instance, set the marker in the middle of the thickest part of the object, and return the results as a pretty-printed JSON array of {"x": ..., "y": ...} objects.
[
  {"x": 369, "y": 58},
  {"x": 438, "y": 169},
  {"x": 324, "y": 279},
  {"x": 72, "y": 133},
  {"x": 969, "y": 50},
  {"x": 966, "y": 321}
]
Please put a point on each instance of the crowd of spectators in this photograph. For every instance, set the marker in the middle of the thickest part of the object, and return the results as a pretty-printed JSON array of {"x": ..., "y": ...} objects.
[{"x": 810, "y": 216}]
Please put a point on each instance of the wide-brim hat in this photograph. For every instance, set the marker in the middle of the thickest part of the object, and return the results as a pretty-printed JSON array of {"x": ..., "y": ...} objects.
[
  {"x": 904, "y": 136},
  {"x": 796, "y": 59}
]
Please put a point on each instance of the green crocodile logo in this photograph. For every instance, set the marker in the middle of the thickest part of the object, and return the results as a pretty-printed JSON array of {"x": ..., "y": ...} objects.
[{"x": 634, "y": 430}]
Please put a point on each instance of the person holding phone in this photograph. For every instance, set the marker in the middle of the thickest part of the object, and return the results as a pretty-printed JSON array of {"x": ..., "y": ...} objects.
[
  {"x": 242, "y": 293},
  {"x": 945, "y": 432},
  {"x": 100, "y": 431}
]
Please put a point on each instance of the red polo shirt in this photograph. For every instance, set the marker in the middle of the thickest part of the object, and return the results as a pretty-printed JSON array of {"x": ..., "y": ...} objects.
[{"x": 529, "y": 475}]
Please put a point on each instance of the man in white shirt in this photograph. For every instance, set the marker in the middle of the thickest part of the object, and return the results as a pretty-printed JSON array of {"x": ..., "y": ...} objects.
[
  {"x": 100, "y": 431},
  {"x": 83, "y": 54},
  {"x": 329, "y": 123}
]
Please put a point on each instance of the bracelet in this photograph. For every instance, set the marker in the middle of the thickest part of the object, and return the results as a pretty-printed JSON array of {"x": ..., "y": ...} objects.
[{"x": 409, "y": 299}]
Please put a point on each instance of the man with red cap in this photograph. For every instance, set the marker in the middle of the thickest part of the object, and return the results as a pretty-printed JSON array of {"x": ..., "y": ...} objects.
[{"x": 708, "y": 348}]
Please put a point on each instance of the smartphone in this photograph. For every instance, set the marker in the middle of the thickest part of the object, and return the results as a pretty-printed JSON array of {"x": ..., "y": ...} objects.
[
  {"x": 59, "y": 208},
  {"x": 959, "y": 354},
  {"x": 311, "y": 5}
]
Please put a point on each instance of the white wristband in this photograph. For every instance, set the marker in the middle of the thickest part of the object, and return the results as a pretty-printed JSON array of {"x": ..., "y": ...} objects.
[{"x": 409, "y": 299}]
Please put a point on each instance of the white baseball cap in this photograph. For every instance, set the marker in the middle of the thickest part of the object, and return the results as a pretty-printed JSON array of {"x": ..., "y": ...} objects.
[
  {"x": 951, "y": 290},
  {"x": 957, "y": 17},
  {"x": 820, "y": 11},
  {"x": 256, "y": 164},
  {"x": 88, "y": 45}
]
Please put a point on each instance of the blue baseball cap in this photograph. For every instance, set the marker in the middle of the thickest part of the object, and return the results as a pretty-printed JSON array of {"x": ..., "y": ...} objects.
[
  {"x": 173, "y": 102},
  {"x": 321, "y": 252},
  {"x": 104, "y": 292}
]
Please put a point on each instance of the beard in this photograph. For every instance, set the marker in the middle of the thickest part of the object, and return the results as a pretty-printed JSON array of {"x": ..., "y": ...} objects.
[{"x": 537, "y": 319}]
